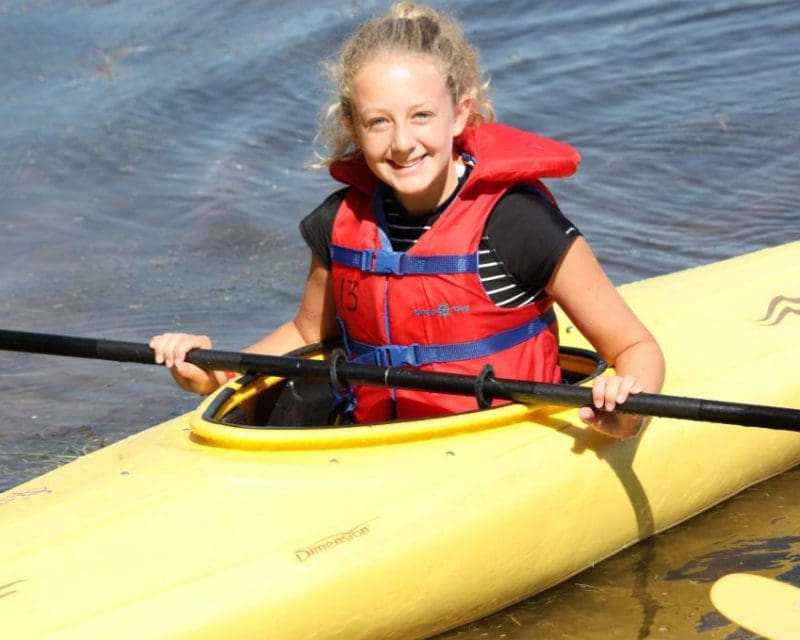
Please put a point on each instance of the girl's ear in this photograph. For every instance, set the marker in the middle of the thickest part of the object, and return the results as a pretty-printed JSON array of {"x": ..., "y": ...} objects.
[{"x": 463, "y": 111}]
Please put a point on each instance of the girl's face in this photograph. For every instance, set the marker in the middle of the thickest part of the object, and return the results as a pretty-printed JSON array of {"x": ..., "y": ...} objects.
[{"x": 404, "y": 121}]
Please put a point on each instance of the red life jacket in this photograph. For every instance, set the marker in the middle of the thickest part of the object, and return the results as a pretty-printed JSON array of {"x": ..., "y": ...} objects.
[{"x": 426, "y": 307}]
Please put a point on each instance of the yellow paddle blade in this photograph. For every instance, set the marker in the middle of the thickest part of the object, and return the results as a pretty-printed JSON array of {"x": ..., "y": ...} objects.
[{"x": 764, "y": 606}]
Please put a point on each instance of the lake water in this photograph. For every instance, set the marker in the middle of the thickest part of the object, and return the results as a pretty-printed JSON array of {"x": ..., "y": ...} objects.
[{"x": 152, "y": 176}]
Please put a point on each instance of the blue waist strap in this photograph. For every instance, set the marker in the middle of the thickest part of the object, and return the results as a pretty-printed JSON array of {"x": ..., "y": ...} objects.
[
  {"x": 394, "y": 355},
  {"x": 400, "y": 263}
]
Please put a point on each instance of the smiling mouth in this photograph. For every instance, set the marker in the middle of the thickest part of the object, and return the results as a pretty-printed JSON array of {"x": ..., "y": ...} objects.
[{"x": 406, "y": 165}]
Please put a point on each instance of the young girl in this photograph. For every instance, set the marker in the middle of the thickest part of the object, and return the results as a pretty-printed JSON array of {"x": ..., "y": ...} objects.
[{"x": 444, "y": 251}]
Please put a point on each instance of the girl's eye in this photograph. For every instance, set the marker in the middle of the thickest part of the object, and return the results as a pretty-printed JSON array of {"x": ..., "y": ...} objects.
[
  {"x": 376, "y": 123},
  {"x": 423, "y": 115}
]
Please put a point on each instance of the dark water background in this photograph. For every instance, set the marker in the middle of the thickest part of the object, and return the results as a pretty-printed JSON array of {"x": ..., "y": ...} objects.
[{"x": 152, "y": 177}]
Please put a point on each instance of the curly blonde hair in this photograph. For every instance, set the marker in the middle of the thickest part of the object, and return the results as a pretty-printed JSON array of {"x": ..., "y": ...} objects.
[{"x": 411, "y": 29}]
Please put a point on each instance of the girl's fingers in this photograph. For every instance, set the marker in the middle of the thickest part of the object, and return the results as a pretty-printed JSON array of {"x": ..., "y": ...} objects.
[
  {"x": 628, "y": 386},
  {"x": 599, "y": 392},
  {"x": 609, "y": 391},
  {"x": 613, "y": 389},
  {"x": 157, "y": 345},
  {"x": 605, "y": 391},
  {"x": 171, "y": 348}
]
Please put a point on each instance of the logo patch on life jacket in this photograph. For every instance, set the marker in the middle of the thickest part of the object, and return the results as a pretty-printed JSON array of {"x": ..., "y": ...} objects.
[
  {"x": 443, "y": 310},
  {"x": 780, "y": 307}
]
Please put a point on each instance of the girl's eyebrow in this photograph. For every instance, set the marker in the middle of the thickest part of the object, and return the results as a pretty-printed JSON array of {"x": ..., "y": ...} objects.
[{"x": 414, "y": 107}]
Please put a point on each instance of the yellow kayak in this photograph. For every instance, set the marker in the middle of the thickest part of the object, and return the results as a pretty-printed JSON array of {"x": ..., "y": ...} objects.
[{"x": 211, "y": 526}]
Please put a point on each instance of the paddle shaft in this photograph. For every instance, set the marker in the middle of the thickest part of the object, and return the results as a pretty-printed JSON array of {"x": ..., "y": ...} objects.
[{"x": 659, "y": 405}]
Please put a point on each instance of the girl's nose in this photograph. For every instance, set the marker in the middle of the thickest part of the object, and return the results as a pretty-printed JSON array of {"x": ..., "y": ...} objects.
[{"x": 403, "y": 139}]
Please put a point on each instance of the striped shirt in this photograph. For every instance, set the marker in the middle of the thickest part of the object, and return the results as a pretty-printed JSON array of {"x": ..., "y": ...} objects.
[{"x": 501, "y": 287}]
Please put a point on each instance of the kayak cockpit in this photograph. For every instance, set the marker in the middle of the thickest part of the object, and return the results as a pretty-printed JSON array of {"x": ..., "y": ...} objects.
[{"x": 257, "y": 411}]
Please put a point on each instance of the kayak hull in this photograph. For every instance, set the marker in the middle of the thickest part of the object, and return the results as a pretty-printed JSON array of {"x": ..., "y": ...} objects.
[{"x": 193, "y": 529}]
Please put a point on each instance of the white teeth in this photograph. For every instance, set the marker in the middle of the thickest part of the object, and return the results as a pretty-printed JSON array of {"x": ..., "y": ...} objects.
[{"x": 405, "y": 165}]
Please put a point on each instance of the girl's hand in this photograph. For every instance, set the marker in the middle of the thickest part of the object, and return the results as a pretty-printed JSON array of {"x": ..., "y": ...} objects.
[
  {"x": 171, "y": 349},
  {"x": 581, "y": 288},
  {"x": 607, "y": 393}
]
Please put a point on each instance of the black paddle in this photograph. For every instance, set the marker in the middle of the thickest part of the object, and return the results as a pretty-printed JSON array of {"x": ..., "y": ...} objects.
[{"x": 485, "y": 386}]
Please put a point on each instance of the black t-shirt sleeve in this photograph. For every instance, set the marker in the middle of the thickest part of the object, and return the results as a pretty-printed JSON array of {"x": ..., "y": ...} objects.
[
  {"x": 529, "y": 235},
  {"x": 317, "y": 227}
]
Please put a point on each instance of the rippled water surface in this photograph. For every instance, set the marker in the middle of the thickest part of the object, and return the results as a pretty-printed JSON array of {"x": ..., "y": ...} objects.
[{"x": 152, "y": 176}]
